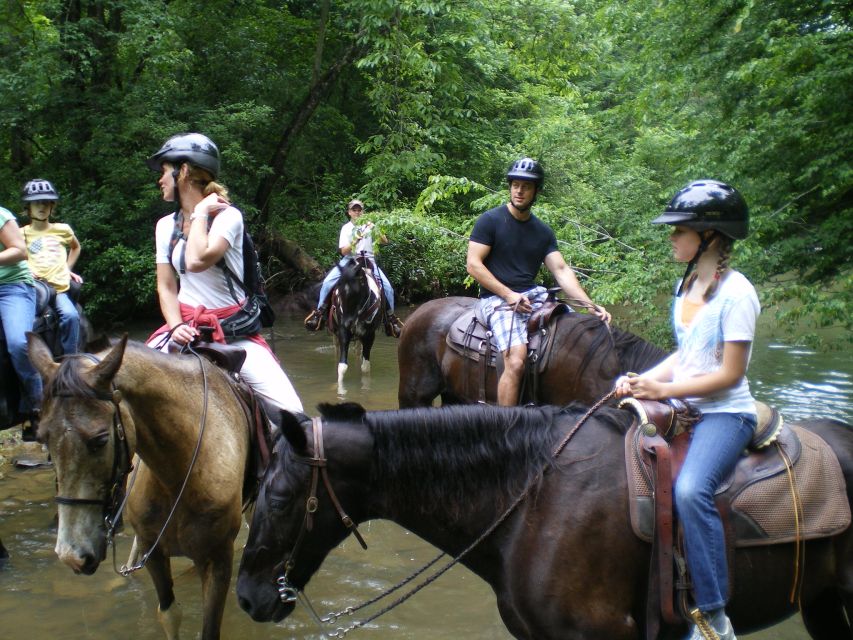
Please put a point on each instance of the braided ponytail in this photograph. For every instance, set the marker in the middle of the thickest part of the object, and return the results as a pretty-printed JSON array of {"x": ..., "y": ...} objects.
[{"x": 725, "y": 249}]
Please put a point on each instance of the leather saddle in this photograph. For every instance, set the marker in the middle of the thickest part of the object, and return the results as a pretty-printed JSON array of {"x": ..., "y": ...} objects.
[
  {"x": 788, "y": 487},
  {"x": 230, "y": 359},
  {"x": 470, "y": 337}
]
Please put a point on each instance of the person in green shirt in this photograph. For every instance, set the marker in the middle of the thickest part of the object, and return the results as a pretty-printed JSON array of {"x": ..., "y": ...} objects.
[{"x": 17, "y": 311}]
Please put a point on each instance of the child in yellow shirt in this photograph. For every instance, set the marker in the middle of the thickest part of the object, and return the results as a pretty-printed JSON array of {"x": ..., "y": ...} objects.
[{"x": 52, "y": 251}]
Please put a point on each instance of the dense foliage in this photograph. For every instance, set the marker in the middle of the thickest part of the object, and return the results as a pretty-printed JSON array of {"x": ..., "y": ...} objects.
[{"x": 418, "y": 106}]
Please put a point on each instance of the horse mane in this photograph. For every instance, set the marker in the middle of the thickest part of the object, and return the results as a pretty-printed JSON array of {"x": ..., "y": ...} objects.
[
  {"x": 635, "y": 353},
  {"x": 448, "y": 456},
  {"x": 69, "y": 379}
]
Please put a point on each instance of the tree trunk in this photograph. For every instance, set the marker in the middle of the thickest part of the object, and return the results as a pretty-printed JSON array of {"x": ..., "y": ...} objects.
[{"x": 306, "y": 109}]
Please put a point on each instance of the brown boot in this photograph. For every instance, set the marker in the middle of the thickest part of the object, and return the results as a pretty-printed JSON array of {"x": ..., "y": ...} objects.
[
  {"x": 393, "y": 325},
  {"x": 315, "y": 320}
]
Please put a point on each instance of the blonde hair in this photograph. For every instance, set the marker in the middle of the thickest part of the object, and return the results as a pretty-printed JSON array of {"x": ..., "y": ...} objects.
[{"x": 206, "y": 183}]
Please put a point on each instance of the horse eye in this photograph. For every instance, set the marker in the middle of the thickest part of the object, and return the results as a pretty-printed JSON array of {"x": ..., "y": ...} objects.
[
  {"x": 98, "y": 442},
  {"x": 279, "y": 502}
]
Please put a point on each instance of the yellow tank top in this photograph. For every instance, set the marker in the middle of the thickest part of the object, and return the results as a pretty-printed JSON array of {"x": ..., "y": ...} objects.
[{"x": 689, "y": 310}]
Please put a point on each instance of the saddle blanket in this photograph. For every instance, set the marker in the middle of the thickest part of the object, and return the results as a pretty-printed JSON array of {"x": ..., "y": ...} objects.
[{"x": 763, "y": 510}]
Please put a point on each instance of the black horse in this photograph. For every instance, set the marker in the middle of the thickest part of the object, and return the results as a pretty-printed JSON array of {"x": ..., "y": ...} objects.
[
  {"x": 564, "y": 563},
  {"x": 356, "y": 312},
  {"x": 45, "y": 325}
]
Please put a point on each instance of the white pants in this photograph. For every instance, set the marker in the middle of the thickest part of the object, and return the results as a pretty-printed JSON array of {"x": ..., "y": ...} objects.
[
  {"x": 263, "y": 373},
  {"x": 267, "y": 378}
]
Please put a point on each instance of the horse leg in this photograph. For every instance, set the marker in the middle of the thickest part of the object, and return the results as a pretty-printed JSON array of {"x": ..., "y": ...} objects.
[
  {"x": 215, "y": 580},
  {"x": 366, "y": 345},
  {"x": 344, "y": 338},
  {"x": 168, "y": 611}
]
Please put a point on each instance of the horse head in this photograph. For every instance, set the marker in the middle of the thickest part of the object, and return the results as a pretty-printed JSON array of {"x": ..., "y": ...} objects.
[
  {"x": 296, "y": 521},
  {"x": 81, "y": 424},
  {"x": 353, "y": 289}
]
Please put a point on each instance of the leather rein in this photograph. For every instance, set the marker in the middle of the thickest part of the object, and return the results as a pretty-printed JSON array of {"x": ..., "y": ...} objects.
[
  {"x": 288, "y": 593},
  {"x": 318, "y": 463}
]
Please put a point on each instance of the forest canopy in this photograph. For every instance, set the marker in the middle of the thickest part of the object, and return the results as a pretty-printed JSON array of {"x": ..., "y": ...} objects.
[{"x": 419, "y": 106}]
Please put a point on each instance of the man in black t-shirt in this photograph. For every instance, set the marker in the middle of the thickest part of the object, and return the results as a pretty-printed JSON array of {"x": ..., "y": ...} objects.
[{"x": 507, "y": 247}]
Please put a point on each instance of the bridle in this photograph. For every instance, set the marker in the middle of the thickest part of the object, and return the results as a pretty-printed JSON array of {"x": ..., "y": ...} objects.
[
  {"x": 287, "y": 591},
  {"x": 113, "y": 502},
  {"x": 116, "y": 498}
]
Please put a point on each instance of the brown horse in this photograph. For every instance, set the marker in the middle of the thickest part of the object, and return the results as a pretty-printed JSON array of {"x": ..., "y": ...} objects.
[
  {"x": 564, "y": 564},
  {"x": 100, "y": 409},
  {"x": 587, "y": 357}
]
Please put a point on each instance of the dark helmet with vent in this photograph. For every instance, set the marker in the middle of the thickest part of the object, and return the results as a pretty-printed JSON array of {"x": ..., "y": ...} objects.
[
  {"x": 526, "y": 169},
  {"x": 193, "y": 148},
  {"x": 39, "y": 189},
  {"x": 708, "y": 204}
]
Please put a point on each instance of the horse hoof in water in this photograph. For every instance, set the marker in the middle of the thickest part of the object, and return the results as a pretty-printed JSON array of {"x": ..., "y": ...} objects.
[{"x": 365, "y": 366}]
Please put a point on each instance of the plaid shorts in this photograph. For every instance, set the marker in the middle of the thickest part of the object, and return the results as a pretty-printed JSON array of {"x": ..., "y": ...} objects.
[{"x": 509, "y": 328}]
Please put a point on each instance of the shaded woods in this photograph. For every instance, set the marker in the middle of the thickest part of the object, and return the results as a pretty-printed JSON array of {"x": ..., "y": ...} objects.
[{"x": 417, "y": 107}]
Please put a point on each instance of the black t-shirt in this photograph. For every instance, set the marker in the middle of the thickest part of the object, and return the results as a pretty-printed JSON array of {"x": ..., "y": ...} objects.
[{"x": 518, "y": 248}]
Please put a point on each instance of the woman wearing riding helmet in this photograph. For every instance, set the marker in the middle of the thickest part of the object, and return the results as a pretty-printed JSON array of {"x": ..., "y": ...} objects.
[
  {"x": 192, "y": 287},
  {"x": 714, "y": 315},
  {"x": 17, "y": 311}
]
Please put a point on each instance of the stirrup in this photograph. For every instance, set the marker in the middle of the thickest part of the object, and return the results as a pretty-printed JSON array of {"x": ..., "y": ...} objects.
[
  {"x": 315, "y": 320},
  {"x": 393, "y": 326}
]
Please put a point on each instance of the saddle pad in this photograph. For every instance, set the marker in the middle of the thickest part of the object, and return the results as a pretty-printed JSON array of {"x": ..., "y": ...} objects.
[{"x": 762, "y": 511}]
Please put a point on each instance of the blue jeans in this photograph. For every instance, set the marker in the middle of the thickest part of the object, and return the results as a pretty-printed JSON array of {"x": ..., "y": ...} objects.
[
  {"x": 69, "y": 323},
  {"x": 17, "y": 312},
  {"x": 334, "y": 275},
  {"x": 718, "y": 441}
]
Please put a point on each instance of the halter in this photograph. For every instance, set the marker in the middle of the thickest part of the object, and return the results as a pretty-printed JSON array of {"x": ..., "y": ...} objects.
[
  {"x": 113, "y": 502},
  {"x": 318, "y": 463}
]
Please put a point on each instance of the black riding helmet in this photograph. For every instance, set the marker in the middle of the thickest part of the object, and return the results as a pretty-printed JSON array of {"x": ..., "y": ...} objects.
[
  {"x": 39, "y": 189},
  {"x": 193, "y": 148},
  {"x": 708, "y": 204},
  {"x": 526, "y": 169}
]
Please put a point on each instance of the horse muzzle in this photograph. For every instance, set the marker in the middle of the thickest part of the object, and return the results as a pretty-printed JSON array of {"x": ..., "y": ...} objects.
[
  {"x": 262, "y": 601},
  {"x": 85, "y": 562}
]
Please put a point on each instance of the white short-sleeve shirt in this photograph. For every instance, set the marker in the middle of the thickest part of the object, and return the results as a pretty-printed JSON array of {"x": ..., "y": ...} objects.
[
  {"x": 207, "y": 288},
  {"x": 729, "y": 316},
  {"x": 364, "y": 245}
]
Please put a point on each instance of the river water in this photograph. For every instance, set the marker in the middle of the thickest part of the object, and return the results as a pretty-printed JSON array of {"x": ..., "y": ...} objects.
[{"x": 41, "y": 598}]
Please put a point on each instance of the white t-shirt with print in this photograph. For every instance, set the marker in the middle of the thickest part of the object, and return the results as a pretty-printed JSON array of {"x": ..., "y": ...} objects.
[
  {"x": 364, "y": 245},
  {"x": 729, "y": 316},
  {"x": 207, "y": 288}
]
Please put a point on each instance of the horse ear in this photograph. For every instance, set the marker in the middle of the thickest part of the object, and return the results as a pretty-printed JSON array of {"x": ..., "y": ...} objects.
[
  {"x": 40, "y": 356},
  {"x": 341, "y": 411},
  {"x": 291, "y": 428},
  {"x": 104, "y": 372}
]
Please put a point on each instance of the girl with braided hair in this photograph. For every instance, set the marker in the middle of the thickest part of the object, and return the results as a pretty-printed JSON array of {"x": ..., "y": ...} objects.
[{"x": 714, "y": 316}]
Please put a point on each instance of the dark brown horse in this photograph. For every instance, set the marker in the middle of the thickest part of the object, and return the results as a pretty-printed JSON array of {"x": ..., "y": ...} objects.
[
  {"x": 587, "y": 357},
  {"x": 355, "y": 314},
  {"x": 102, "y": 408},
  {"x": 564, "y": 564}
]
